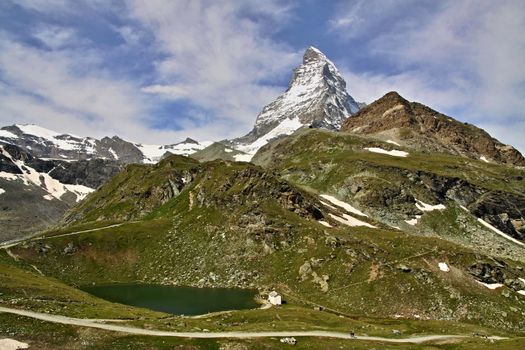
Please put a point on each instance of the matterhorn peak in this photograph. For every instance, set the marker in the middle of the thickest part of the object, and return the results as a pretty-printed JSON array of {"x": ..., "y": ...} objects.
[
  {"x": 313, "y": 54},
  {"x": 316, "y": 96}
]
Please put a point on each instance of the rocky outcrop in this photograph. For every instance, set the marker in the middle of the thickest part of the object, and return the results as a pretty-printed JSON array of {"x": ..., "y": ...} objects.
[
  {"x": 505, "y": 211},
  {"x": 251, "y": 185},
  {"x": 498, "y": 272},
  {"x": 425, "y": 128}
]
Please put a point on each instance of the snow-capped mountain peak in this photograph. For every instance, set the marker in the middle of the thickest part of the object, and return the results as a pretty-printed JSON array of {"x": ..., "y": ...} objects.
[{"x": 316, "y": 96}]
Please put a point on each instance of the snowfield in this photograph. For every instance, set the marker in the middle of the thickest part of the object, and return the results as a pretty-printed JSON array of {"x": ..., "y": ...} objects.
[
  {"x": 350, "y": 221},
  {"x": 394, "y": 153},
  {"x": 243, "y": 157},
  {"x": 428, "y": 207},
  {"x": 8, "y": 134},
  {"x": 286, "y": 127},
  {"x": 153, "y": 153},
  {"x": 2, "y": 190},
  {"x": 67, "y": 142},
  {"x": 343, "y": 205},
  {"x": 53, "y": 187}
]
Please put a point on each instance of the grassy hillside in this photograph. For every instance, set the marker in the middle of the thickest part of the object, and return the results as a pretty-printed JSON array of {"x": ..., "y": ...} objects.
[
  {"x": 237, "y": 225},
  {"x": 387, "y": 187}
]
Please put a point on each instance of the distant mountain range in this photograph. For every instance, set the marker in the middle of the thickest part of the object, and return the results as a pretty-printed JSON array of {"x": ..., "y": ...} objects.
[{"x": 45, "y": 143}]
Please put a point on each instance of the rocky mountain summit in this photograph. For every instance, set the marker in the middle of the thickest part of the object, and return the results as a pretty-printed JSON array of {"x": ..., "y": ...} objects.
[
  {"x": 316, "y": 97},
  {"x": 416, "y": 125},
  {"x": 49, "y": 144}
]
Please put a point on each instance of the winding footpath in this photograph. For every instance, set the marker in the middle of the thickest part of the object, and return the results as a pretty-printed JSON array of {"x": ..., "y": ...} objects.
[
  {"x": 238, "y": 335},
  {"x": 15, "y": 242}
]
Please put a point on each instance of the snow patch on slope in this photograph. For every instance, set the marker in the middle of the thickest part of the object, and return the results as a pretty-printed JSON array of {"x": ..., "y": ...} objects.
[
  {"x": 7, "y": 134},
  {"x": 113, "y": 153},
  {"x": 54, "y": 187},
  {"x": 286, "y": 127},
  {"x": 394, "y": 153},
  {"x": 491, "y": 285},
  {"x": 8, "y": 176},
  {"x": 2, "y": 190},
  {"x": 343, "y": 205},
  {"x": 413, "y": 221},
  {"x": 393, "y": 142},
  {"x": 11, "y": 344},
  {"x": 443, "y": 267},
  {"x": 502, "y": 234},
  {"x": 324, "y": 223},
  {"x": 350, "y": 221},
  {"x": 428, "y": 207}
]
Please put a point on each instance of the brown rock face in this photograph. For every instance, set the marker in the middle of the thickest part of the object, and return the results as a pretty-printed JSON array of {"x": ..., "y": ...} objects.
[{"x": 429, "y": 128}]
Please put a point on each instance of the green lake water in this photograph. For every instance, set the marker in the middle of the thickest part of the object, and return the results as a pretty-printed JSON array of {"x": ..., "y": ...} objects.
[{"x": 176, "y": 300}]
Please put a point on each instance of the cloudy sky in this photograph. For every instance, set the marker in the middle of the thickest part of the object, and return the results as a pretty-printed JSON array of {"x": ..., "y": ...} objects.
[{"x": 158, "y": 71}]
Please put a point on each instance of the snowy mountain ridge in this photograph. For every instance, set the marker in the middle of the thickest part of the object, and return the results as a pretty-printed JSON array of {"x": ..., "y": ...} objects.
[{"x": 49, "y": 144}]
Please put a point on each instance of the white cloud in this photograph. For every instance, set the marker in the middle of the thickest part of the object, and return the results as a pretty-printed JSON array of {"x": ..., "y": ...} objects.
[
  {"x": 131, "y": 35},
  {"x": 347, "y": 20},
  {"x": 216, "y": 56},
  {"x": 173, "y": 91},
  {"x": 55, "y": 37},
  {"x": 68, "y": 91}
]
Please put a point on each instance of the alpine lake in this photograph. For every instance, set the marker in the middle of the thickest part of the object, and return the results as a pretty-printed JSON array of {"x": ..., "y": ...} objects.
[{"x": 176, "y": 300}]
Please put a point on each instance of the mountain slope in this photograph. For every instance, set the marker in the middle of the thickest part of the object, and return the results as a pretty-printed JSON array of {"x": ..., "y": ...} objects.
[
  {"x": 416, "y": 125},
  {"x": 416, "y": 191},
  {"x": 238, "y": 225},
  {"x": 35, "y": 193}
]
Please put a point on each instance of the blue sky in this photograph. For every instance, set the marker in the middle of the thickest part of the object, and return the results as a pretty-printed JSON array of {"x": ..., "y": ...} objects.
[{"x": 159, "y": 71}]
